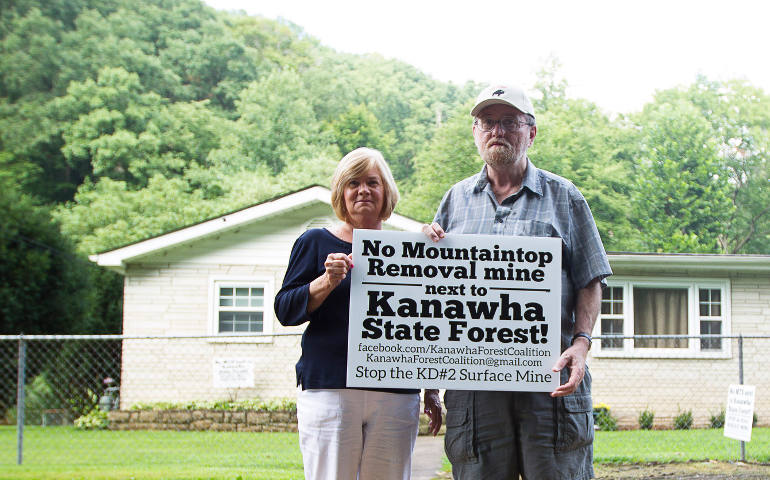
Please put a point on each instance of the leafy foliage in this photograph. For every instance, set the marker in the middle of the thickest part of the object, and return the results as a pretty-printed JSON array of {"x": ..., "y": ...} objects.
[
  {"x": 717, "y": 420},
  {"x": 286, "y": 405},
  {"x": 603, "y": 418},
  {"x": 646, "y": 418},
  {"x": 93, "y": 420},
  {"x": 44, "y": 284},
  {"x": 683, "y": 420},
  {"x": 125, "y": 119}
]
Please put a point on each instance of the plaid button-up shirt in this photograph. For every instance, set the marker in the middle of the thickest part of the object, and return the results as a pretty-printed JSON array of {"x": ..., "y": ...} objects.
[{"x": 546, "y": 206}]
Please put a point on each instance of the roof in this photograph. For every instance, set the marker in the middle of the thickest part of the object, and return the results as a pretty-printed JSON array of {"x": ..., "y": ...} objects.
[
  {"x": 117, "y": 259},
  {"x": 690, "y": 261}
]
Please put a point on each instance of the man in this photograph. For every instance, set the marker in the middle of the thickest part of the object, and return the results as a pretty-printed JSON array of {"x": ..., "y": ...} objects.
[{"x": 535, "y": 435}]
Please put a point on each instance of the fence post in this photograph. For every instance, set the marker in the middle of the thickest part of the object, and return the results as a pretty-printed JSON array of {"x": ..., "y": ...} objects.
[
  {"x": 740, "y": 382},
  {"x": 20, "y": 400}
]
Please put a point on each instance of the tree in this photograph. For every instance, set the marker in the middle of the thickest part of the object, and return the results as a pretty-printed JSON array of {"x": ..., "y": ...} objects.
[
  {"x": 29, "y": 55},
  {"x": 550, "y": 85},
  {"x": 682, "y": 198},
  {"x": 708, "y": 145},
  {"x": 277, "y": 124},
  {"x": 449, "y": 157},
  {"x": 578, "y": 142},
  {"x": 740, "y": 122},
  {"x": 358, "y": 127},
  {"x": 44, "y": 285}
]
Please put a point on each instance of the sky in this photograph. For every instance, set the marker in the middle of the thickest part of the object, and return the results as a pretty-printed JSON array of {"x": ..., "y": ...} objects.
[{"x": 614, "y": 53}]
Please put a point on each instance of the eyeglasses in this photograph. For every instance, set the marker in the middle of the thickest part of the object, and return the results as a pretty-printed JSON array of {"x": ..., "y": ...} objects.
[{"x": 508, "y": 124}]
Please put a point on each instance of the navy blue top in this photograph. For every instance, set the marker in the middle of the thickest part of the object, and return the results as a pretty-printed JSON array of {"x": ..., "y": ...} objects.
[{"x": 323, "y": 363}]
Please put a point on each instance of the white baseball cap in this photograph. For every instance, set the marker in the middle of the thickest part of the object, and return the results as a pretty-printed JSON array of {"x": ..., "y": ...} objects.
[{"x": 503, "y": 94}]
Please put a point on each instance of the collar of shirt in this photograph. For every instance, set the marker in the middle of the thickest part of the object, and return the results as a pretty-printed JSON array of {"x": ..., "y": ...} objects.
[{"x": 529, "y": 182}]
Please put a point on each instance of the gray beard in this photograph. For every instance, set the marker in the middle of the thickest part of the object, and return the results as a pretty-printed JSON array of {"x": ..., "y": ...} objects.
[{"x": 499, "y": 157}]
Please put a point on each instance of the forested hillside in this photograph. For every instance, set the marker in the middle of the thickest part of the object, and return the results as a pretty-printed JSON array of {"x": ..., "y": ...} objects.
[{"x": 123, "y": 119}]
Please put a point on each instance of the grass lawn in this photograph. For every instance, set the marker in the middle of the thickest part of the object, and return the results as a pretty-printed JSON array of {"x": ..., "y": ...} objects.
[
  {"x": 63, "y": 452},
  {"x": 66, "y": 453},
  {"x": 643, "y": 446}
]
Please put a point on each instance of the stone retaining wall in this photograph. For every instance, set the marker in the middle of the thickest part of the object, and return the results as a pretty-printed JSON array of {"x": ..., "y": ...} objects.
[{"x": 216, "y": 420}]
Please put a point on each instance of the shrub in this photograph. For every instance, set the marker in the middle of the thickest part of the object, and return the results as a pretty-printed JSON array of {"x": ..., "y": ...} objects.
[
  {"x": 603, "y": 419},
  {"x": 39, "y": 397},
  {"x": 683, "y": 421},
  {"x": 646, "y": 418},
  {"x": 93, "y": 420},
  {"x": 717, "y": 420},
  {"x": 288, "y": 405}
]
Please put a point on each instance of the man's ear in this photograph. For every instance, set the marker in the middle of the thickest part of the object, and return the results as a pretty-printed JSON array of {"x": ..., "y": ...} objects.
[{"x": 532, "y": 134}]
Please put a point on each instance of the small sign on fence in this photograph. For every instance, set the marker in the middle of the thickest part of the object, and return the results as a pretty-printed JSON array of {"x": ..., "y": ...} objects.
[
  {"x": 233, "y": 372},
  {"x": 739, "y": 414}
]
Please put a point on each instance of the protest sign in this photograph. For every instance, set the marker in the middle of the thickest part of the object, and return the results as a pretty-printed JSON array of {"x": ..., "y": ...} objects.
[
  {"x": 739, "y": 414},
  {"x": 471, "y": 312}
]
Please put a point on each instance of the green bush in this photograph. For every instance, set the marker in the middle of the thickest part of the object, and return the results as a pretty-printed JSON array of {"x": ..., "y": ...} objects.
[
  {"x": 39, "y": 396},
  {"x": 683, "y": 421},
  {"x": 603, "y": 419},
  {"x": 285, "y": 404},
  {"x": 93, "y": 420},
  {"x": 646, "y": 418},
  {"x": 717, "y": 420}
]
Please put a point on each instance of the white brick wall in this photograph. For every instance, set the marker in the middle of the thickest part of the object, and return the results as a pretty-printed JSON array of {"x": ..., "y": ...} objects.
[
  {"x": 168, "y": 294},
  {"x": 668, "y": 386}
]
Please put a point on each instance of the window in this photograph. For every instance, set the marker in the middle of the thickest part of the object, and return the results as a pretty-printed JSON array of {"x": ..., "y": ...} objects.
[
  {"x": 660, "y": 311},
  {"x": 612, "y": 317},
  {"x": 710, "y": 313},
  {"x": 663, "y": 307},
  {"x": 241, "y": 307}
]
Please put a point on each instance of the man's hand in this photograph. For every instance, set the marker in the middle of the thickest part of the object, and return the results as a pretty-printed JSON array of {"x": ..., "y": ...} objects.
[
  {"x": 433, "y": 410},
  {"x": 433, "y": 231},
  {"x": 573, "y": 358},
  {"x": 586, "y": 310}
]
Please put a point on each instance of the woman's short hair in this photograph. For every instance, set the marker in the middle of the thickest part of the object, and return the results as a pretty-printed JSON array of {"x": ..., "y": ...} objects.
[{"x": 355, "y": 164}]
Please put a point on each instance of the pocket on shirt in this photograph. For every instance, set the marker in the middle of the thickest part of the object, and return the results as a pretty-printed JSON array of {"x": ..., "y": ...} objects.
[{"x": 531, "y": 228}]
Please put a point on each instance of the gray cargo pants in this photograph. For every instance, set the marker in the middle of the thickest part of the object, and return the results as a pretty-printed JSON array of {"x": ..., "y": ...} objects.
[{"x": 504, "y": 435}]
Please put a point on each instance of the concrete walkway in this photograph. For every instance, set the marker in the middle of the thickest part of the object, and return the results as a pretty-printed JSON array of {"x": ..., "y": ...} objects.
[{"x": 427, "y": 457}]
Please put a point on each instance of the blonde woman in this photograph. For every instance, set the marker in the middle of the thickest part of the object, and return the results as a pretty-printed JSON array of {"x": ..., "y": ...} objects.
[{"x": 346, "y": 433}]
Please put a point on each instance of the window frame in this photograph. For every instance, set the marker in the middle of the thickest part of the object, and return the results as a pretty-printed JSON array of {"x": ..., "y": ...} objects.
[
  {"x": 693, "y": 349},
  {"x": 266, "y": 283}
]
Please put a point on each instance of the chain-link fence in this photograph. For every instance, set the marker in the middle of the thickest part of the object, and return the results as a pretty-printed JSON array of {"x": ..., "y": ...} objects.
[{"x": 54, "y": 387}]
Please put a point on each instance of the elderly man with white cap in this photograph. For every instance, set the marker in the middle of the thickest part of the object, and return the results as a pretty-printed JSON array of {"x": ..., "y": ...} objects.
[{"x": 528, "y": 435}]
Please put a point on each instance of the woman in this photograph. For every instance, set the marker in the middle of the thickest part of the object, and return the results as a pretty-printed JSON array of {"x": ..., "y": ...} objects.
[{"x": 345, "y": 433}]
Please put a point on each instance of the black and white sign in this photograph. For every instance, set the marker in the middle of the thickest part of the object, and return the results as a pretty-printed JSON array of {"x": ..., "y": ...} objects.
[
  {"x": 471, "y": 312},
  {"x": 233, "y": 372},
  {"x": 739, "y": 414}
]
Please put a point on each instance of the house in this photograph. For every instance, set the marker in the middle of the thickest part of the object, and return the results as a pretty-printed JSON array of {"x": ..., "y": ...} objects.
[
  {"x": 681, "y": 294},
  {"x": 212, "y": 285}
]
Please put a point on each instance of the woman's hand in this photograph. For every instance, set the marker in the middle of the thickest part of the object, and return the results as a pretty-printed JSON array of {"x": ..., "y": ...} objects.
[
  {"x": 337, "y": 267},
  {"x": 432, "y": 402},
  {"x": 433, "y": 231}
]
